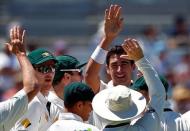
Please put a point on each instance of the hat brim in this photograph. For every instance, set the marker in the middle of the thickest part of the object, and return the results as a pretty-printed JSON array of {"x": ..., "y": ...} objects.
[
  {"x": 136, "y": 108},
  {"x": 81, "y": 65},
  {"x": 44, "y": 60}
]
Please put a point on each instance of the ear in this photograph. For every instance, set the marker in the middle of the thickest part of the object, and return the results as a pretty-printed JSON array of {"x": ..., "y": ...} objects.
[
  {"x": 79, "y": 105},
  {"x": 133, "y": 66},
  {"x": 67, "y": 76},
  {"x": 107, "y": 70}
]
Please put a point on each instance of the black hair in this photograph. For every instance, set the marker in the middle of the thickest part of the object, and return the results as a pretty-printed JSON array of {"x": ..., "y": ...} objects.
[
  {"x": 72, "y": 96},
  {"x": 118, "y": 50}
]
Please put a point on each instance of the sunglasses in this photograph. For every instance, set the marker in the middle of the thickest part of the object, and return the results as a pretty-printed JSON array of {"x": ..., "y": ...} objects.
[
  {"x": 78, "y": 70},
  {"x": 45, "y": 69}
]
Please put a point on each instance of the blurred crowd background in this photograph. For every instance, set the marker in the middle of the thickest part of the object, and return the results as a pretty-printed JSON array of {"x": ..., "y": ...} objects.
[{"x": 74, "y": 27}]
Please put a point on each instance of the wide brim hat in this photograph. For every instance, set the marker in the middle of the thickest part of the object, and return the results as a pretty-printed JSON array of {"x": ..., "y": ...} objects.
[{"x": 131, "y": 108}]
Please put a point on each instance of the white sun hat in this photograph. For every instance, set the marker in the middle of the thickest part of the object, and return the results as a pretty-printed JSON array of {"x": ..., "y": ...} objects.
[{"x": 118, "y": 104}]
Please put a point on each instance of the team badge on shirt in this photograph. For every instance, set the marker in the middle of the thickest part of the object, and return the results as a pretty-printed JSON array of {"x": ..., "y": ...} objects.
[{"x": 26, "y": 123}]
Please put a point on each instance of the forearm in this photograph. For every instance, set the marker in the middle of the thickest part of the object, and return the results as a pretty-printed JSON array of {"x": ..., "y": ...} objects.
[
  {"x": 29, "y": 80},
  {"x": 94, "y": 65},
  {"x": 92, "y": 75},
  {"x": 105, "y": 42},
  {"x": 155, "y": 86}
]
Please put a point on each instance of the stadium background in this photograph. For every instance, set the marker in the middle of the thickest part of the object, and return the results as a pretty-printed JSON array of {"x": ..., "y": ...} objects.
[{"x": 74, "y": 27}]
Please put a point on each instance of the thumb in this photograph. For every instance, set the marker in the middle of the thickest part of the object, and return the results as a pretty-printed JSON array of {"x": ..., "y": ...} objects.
[
  {"x": 8, "y": 45},
  {"x": 125, "y": 57}
]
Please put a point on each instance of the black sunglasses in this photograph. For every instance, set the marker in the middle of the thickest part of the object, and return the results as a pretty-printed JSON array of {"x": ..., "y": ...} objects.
[{"x": 45, "y": 69}]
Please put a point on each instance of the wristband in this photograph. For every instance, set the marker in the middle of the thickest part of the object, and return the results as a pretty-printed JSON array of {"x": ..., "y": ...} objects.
[{"x": 99, "y": 55}]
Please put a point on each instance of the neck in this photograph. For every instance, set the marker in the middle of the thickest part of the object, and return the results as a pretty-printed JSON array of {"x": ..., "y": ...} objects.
[
  {"x": 44, "y": 93},
  {"x": 58, "y": 90}
]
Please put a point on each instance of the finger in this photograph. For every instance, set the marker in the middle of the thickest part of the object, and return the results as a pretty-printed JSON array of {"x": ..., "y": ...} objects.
[
  {"x": 11, "y": 34},
  {"x": 125, "y": 57},
  {"x": 111, "y": 11},
  {"x": 132, "y": 44},
  {"x": 19, "y": 33},
  {"x": 23, "y": 35},
  {"x": 118, "y": 12},
  {"x": 107, "y": 14},
  {"x": 14, "y": 32},
  {"x": 124, "y": 45},
  {"x": 114, "y": 9},
  {"x": 8, "y": 45},
  {"x": 137, "y": 44}
]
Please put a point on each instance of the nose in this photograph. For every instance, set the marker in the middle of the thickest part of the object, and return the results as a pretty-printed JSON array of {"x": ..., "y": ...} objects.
[{"x": 119, "y": 68}]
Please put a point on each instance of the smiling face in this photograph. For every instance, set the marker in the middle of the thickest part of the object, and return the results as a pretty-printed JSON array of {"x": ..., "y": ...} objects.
[
  {"x": 120, "y": 70},
  {"x": 45, "y": 73}
]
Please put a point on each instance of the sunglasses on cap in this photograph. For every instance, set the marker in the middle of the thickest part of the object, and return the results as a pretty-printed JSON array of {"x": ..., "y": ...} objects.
[
  {"x": 78, "y": 70},
  {"x": 45, "y": 69}
]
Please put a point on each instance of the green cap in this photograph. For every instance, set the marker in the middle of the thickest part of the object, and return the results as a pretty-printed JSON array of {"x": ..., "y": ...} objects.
[
  {"x": 77, "y": 91},
  {"x": 68, "y": 62},
  {"x": 39, "y": 56},
  {"x": 65, "y": 63},
  {"x": 140, "y": 84}
]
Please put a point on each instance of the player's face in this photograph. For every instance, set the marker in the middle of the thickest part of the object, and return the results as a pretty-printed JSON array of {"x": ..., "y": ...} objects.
[
  {"x": 120, "y": 70},
  {"x": 86, "y": 110},
  {"x": 45, "y": 73},
  {"x": 76, "y": 76}
]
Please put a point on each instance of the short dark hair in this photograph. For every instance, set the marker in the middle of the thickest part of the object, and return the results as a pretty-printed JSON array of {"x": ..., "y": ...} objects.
[
  {"x": 59, "y": 77},
  {"x": 76, "y": 92},
  {"x": 117, "y": 49}
]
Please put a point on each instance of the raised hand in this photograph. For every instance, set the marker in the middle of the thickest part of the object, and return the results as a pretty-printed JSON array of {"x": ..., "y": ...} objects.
[
  {"x": 133, "y": 50},
  {"x": 16, "y": 44},
  {"x": 113, "y": 21}
]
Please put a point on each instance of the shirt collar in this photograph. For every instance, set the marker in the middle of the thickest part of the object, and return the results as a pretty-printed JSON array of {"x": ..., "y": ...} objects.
[
  {"x": 42, "y": 98},
  {"x": 56, "y": 100},
  {"x": 70, "y": 116},
  {"x": 110, "y": 83}
]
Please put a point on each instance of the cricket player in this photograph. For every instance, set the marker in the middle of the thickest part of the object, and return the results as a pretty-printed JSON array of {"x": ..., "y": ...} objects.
[
  {"x": 67, "y": 70},
  {"x": 12, "y": 109},
  {"x": 41, "y": 113}
]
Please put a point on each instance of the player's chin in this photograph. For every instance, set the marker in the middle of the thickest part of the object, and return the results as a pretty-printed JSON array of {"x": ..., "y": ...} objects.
[{"x": 48, "y": 82}]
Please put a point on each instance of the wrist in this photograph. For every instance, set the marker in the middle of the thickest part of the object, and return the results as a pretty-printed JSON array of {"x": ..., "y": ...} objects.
[
  {"x": 99, "y": 55},
  {"x": 105, "y": 42},
  {"x": 19, "y": 54},
  {"x": 108, "y": 38}
]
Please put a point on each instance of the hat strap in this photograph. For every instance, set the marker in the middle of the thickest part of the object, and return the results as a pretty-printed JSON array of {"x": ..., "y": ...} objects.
[
  {"x": 167, "y": 109},
  {"x": 118, "y": 125}
]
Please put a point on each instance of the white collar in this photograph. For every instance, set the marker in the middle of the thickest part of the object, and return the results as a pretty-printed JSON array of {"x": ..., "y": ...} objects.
[
  {"x": 110, "y": 83},
  {"x": 42, "y": 98},
  {"x": 52, "y": 97},
  {"x": 70, "y": 116}
]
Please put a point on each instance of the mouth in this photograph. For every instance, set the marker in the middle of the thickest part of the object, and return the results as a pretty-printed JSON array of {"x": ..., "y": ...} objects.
[
  {"x": 48, "y": 80},
  {"x": 120, "y": 76}
]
